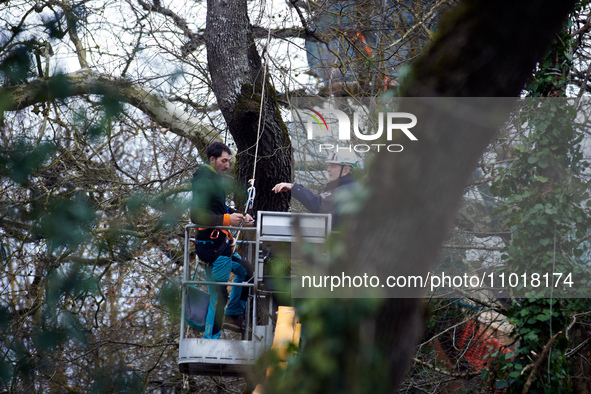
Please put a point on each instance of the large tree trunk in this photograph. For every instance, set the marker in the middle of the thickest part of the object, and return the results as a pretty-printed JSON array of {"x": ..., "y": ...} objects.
[
  {"x": 237, "y": 80},
  {"x": 483, "y": 49}
]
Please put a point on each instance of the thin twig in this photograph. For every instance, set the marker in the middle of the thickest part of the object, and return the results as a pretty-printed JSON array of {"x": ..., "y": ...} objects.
[
  {"x": 462, "y": 375},
  {"x": 538, "y": 363}
]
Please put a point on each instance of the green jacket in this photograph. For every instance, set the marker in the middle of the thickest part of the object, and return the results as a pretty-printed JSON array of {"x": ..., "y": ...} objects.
[{"x": 208, "y": 205}]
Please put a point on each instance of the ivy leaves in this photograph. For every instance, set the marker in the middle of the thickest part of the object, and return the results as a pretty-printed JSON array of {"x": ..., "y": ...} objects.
[{"x": 545, "y": 194}]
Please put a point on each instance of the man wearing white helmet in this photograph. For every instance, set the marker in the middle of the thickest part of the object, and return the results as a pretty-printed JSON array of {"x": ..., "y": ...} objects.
[{"x": 340, "y": 177}]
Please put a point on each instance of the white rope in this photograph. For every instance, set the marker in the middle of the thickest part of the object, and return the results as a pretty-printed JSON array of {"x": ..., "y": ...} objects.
[
  {"x": 251, "y": 189},
  {"x": 259, "y": 128},
  {"x": 552, "y": 298}
]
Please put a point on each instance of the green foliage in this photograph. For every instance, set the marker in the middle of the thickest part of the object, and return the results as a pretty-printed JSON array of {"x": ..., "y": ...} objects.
[
  {"x": 170, "y": 299},
  {"x": 542, "y": 188},
  {"x": 535, "y": 321},
  {"x": 351, "y": 202},
  {"x": 74, "y": 283},
  {"x": 58, "y": 87},
  {"x": 338, "y": 353},
  {"x": 24, "y": 158},
  {"x": 550, "y": 78},
  {"x": 16, "y": 66},
  {"x": 545, "y": 194},
  {"x": 98, "y": 122},
  {"x": 336, "y": 356},
  {"x": 56, "y": 325},
  {"x": 56, "y": 184},
  {"x": 66, "y": 222},
  {"x": 57, "y": 26}
]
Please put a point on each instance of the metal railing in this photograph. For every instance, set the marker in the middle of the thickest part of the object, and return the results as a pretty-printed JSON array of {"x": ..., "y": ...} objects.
[
  {"x": 226, "y": 357},
  {"x": 186, "y": 281}
]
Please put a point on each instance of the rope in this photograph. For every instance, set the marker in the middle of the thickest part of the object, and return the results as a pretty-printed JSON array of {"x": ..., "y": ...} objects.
[
  {"x": 251, "y": 189},
  {"x": 552, "y": 296},
  {"x": 259, "y": 126}
]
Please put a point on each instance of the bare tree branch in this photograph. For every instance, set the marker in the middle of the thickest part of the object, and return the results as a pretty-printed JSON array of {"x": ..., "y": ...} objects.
[{"x": 86, "y": 81}]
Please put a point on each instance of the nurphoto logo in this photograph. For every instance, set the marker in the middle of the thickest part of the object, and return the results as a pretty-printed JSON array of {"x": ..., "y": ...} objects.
[{"x": 388, "y": 122}]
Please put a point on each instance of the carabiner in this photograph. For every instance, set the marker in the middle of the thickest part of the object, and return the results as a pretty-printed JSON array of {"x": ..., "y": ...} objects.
[{"x": 217, "y": 234}]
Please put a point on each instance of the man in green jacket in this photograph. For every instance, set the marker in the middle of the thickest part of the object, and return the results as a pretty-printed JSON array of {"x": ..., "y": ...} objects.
[{"x": 214, "y": 247}]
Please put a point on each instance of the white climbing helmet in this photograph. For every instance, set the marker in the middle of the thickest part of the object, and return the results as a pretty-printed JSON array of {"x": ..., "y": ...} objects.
[{"x": 344, "y": 158}]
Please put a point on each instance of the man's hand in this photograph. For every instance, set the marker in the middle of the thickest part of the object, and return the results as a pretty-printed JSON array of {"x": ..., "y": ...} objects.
[
  {"x": 248, "y": 221},
  {"x": 236, "y": 218},
  {"x": 282, "y": 187}
]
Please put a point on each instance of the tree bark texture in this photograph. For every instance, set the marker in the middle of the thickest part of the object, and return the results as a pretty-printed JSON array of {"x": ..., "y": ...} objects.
[
  {"x": 483, "y": 49},
  {"x": 237, "y": 79}
]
